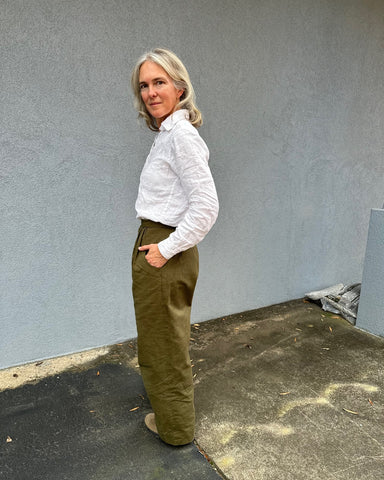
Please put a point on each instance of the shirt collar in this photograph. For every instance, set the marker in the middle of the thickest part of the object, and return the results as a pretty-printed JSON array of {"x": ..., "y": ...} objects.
[{"x": 176, "y": 117}]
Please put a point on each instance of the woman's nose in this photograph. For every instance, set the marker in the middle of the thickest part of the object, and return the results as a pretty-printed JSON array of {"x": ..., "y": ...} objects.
[{"x": 152, "y": 91}]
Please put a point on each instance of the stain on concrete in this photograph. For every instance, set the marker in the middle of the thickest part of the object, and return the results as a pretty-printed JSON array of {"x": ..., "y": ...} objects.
[
  {"x": 225, "y": 462},
  {"x": 324, "y": 399}
]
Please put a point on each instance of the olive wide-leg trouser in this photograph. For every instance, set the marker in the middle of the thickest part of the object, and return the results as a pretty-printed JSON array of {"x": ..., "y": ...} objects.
[{"x": 163, "y": 299}]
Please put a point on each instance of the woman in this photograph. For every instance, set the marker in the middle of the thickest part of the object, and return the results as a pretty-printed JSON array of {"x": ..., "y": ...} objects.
[{"x": 177, "y": 204}]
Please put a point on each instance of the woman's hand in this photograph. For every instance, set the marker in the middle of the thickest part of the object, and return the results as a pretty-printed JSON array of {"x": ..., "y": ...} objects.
[{"x": 153, "y": 255}]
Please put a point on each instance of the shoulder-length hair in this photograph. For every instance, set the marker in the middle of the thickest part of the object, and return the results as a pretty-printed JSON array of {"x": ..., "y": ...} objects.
[{"x": 177, "y": 71}]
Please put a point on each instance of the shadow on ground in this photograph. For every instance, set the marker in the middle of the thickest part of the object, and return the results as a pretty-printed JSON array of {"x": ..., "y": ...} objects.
[{"x": 88, "y": 425}]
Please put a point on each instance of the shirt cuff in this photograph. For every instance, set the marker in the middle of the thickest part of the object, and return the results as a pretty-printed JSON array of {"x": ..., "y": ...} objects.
[{"x": 165, "y": 252}]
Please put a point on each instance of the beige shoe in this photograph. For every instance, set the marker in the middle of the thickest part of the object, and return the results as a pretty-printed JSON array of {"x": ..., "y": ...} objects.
[{"x": 150, "y": 422}]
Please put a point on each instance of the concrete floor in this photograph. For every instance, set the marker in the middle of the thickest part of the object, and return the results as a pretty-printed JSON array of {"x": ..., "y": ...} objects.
[
  {"x": 285, "y": 392},
  {"x": 290, "y": 392}
]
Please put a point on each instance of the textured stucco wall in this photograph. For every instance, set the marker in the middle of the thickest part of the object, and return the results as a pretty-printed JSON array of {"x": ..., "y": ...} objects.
[
  {"x": 371, "y": 307},
  {"x": 292, "y": 97}
]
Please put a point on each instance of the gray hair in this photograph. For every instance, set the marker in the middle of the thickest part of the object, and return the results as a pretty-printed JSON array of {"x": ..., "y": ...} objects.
[{"x": 177, "y": 71}]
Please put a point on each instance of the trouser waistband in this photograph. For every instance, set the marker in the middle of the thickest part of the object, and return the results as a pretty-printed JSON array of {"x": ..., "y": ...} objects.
[{"x": 151, "y": 224}]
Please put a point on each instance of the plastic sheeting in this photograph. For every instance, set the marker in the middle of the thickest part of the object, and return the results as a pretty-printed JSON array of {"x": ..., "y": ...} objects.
[{"x": 341, "y": 299}]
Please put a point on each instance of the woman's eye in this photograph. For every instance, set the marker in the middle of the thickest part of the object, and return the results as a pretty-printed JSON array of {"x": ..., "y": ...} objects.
[
  {"x": 142, "y": 86},
  {"x": 160, "y": 82}
]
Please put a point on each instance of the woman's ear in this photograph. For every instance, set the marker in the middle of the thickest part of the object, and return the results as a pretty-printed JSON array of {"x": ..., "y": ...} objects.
[{"x": 179, "y": 93}]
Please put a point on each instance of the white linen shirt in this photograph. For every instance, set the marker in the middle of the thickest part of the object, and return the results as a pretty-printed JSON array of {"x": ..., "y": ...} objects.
[{"x": 176, "y": 185}]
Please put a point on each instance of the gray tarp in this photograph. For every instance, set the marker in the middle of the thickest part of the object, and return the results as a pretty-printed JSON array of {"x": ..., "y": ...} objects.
[{"x": 340, "y": 299}]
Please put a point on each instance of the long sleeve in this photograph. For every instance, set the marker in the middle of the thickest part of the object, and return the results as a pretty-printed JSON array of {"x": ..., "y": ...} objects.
[{"x": 190, "y": 163}]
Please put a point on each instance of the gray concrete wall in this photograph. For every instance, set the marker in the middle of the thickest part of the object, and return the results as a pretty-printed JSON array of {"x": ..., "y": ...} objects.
[
  {"x": 371, "y": 306},
  {"x": 292, "y": 96}
]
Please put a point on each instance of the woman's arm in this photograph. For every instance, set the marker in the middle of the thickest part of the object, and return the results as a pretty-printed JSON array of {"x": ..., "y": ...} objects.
[{"x": 190, "y": 163}]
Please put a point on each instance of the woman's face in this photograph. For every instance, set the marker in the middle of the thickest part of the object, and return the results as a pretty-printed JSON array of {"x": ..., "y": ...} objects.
[{"x": 158, "y": 92}]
